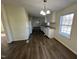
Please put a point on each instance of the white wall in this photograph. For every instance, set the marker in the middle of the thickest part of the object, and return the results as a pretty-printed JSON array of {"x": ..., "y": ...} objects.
[
  {"x": 18, "y": 22},
  {"x": 6, "y": 24},
  {"x": 30, "y": 27},
  {"x": 2, "y": 28},
  {"x": 72, "y": 42}
]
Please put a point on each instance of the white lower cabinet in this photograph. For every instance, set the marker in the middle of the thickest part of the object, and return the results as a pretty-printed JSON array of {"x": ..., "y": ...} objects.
[{"x": 48, "y": 31}]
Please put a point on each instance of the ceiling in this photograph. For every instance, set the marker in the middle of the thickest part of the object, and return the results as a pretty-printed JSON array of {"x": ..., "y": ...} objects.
[{"x": 34, "y": 6}]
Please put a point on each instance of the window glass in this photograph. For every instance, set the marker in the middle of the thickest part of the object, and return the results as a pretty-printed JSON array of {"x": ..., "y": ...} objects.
[{"x": 66, "y": 23}]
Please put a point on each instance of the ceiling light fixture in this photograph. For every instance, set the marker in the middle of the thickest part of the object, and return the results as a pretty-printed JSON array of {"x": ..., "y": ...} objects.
[
  {"x": 42, "y": 12},
  {"x": 45, "y": 11}
]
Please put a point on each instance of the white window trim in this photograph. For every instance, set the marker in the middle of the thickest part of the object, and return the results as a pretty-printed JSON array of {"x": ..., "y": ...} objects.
[{"x": 64, "y": 34}]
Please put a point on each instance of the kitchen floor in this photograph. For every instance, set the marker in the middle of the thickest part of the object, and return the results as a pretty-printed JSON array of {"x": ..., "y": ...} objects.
[{"x": 39, "y": 47}]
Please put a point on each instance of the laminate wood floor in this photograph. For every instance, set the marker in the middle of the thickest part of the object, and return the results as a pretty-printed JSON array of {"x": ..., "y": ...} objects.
[{"x": 39, "y": 47}]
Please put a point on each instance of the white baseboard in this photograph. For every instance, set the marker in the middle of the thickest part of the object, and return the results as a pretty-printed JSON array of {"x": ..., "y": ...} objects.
[{"x": 66, "y": 46}]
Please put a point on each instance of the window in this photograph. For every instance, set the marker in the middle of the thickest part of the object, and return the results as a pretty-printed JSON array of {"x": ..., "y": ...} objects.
[{"x": 66, "y": 24}]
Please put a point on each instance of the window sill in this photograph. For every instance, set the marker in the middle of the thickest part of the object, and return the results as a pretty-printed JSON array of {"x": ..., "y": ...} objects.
[{"x": 65, "y": 35}]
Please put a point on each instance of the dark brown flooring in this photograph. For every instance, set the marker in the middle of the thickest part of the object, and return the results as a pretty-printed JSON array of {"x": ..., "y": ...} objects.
[{"x": 39, "y": 47}]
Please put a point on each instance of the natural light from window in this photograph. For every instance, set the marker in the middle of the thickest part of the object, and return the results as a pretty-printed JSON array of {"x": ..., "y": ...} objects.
[{"x": 66, "y": 24}]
